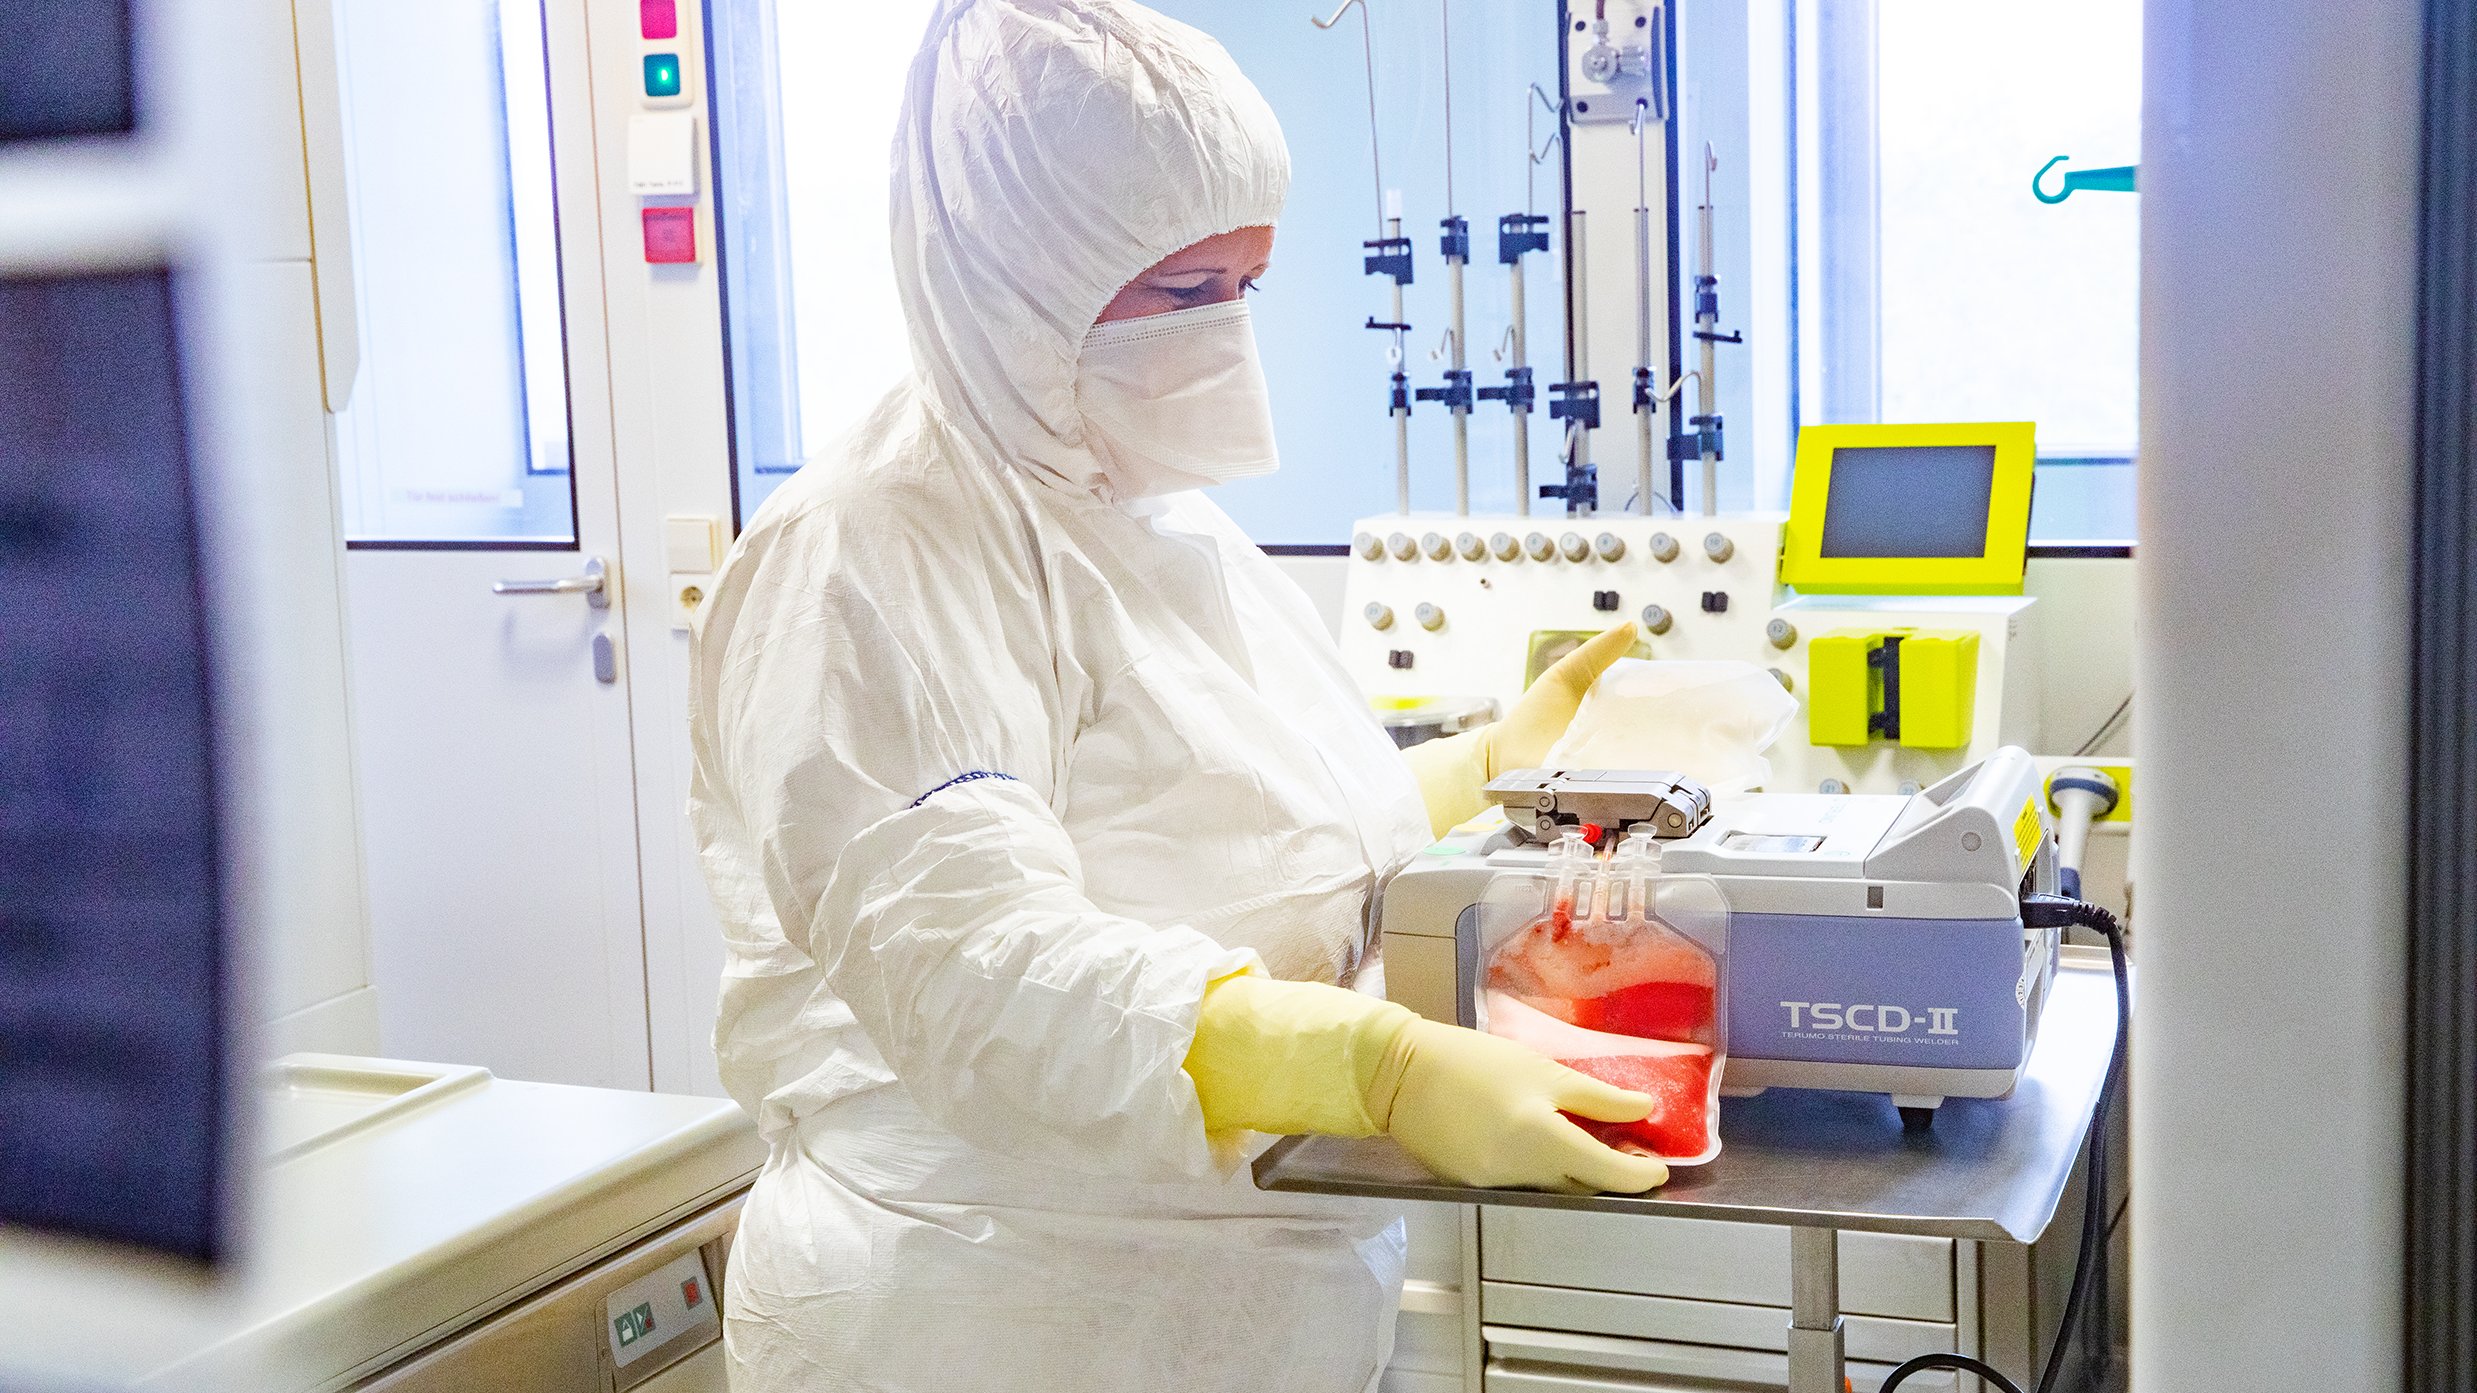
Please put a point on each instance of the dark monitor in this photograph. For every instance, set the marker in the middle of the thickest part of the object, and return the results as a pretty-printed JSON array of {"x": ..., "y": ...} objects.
[
  {"x": 113, "y": 910},
  {"x": 1909, "y": 501},
  {"x": 67, "y": 68}
]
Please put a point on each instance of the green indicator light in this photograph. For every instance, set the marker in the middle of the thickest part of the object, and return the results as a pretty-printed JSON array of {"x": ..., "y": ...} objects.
[{"x": 662, "y": 74}]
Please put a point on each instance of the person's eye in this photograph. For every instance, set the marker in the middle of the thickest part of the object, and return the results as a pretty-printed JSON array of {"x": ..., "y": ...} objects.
[{"x": 1189, "y": 294}]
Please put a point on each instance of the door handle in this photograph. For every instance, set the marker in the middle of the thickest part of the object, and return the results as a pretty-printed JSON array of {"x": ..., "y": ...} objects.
[{"x": 590, "y": 585}]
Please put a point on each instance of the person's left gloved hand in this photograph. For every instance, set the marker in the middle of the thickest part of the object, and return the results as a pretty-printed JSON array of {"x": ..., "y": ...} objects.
[{"x": 1452, "y": 770}]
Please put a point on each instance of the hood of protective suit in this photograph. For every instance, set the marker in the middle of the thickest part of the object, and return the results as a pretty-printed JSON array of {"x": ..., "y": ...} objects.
[{"x": 1048, "y": 152}]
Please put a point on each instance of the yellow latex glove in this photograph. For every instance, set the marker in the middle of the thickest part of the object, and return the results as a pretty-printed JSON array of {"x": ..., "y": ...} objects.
[
  {"x": 1291, "y": 1057},
  {"x": 1451, "y": 771}
]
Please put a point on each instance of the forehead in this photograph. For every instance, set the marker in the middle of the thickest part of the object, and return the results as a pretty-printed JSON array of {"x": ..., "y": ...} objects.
[{"x": 1241, "y": 249}]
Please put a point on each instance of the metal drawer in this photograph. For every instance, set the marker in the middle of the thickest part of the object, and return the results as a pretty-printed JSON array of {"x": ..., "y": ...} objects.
[
  {"x": 1701, "y": 1322},
  {"x": 1541, "y": 1361},
  {"x": 1894, "y": 1275}
]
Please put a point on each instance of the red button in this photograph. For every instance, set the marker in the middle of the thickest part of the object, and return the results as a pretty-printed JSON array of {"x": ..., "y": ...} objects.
[
  {"x": 688, "y": 1290},
  {"x": 658, "y": 19},
  {"x": 670, "y": 234}
]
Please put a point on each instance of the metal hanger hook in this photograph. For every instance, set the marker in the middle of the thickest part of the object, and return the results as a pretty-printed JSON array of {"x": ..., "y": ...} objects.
[
  {"x": 1335, "y": 17},
  {"x": 2038, "y": 181}
]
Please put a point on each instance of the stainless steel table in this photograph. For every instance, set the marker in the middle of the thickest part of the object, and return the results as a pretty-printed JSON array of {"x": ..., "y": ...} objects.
[{"x": 1821, "y": 1163}]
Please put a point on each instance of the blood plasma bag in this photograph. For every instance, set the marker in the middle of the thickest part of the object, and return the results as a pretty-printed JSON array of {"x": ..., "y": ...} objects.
[{"x": 1608, "y": 967}]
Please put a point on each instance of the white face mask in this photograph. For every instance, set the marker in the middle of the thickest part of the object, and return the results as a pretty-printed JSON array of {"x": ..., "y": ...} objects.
[{"x": 1176, "y": 401}]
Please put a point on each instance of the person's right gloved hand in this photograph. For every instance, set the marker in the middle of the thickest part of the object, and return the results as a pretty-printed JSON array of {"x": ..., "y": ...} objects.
[
  {"x": 1289, "y": 1057},
  {"x": 1481, "y": 1110}
]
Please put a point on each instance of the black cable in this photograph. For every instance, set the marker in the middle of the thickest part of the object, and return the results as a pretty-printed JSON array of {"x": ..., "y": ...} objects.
[
  {"x": 2107, "y": 728},
  {"x": 1961, "y": 1362},
  {"x": 2057, "y": 912}
]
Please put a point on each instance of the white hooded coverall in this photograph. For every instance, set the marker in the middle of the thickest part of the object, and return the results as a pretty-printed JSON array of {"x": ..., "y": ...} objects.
[{"x": 999, "y": 760}]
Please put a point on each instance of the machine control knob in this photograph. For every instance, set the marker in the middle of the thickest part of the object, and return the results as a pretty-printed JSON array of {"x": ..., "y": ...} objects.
[
  {"x": 1402, "y": 547},
  {"x": 1781, "y": 632},
  {"x": 1609, "y": 545},
  {"x": 1380, "y": 615},
  {"x": 1715, "y": 602},
  {"x": 1437, "y": 545},
  {"x": 1787, "y": 683},
  {"x": 1663, "y": 547},
  {"x": 1833, "y": 786},
  {"x": 1399, "y": 660},
  {"x": 1506, "y": 546},
  {"x": 1718, "y": 547},
  {"x": 1656, "y": 619},
  {"x": 1605, "y": 601},
  {"x": 1471, "y": 547},
  {"x": 1429, "y": 616},
  {"x": 1574, "y": 547},
  {"x": 1369, "y": 546},
  {"x": 1540, "y": 548}
]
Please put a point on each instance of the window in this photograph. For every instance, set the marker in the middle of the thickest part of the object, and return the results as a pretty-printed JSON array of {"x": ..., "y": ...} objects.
[
  {"x": 1932, "y": 284},
  {"x": 457, "y": 432},
  {"x": 815, "y": 331},
  {"x": 816, "y": 336}
]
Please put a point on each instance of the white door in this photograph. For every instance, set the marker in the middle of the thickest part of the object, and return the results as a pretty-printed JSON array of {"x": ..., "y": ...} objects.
[{"x": 492, "y": 721}]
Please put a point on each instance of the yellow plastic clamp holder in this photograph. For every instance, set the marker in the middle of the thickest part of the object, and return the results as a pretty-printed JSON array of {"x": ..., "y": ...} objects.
[
  {"x": 1843, "y": 689},
  {"x": 1938, "y": 689}
]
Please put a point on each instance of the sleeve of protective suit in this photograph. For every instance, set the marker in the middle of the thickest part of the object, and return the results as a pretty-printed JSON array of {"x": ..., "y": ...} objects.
[
  {"x": 890, "y": 720},
  {"x": 1451, "y": 771}
]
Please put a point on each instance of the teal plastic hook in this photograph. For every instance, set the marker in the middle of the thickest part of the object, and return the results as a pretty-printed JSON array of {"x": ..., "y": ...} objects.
[{"x": 2116, "y": 179}]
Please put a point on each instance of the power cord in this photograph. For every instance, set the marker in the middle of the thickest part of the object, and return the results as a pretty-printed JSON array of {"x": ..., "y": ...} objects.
[{"x": 2057, "y": 912}]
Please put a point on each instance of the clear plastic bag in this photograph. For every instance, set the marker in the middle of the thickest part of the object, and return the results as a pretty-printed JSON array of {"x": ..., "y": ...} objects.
[
  {"x": 1613, "y": 969},
  {"x": 1710, "y": 721}
]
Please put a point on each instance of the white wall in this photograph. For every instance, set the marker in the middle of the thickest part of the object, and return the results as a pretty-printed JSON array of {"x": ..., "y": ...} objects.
[
  {"x": 2278, "y": 188},
  {"x": 317, "y": 992}
]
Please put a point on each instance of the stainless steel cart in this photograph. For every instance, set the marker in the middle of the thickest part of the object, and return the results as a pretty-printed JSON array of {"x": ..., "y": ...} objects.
[{"x": 1827, "y": 1163}]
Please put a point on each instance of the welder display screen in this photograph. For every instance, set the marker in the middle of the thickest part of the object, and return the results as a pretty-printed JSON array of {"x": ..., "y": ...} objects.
[
  {"x": 70, "y": 69},
  {"x": 1909, "y": 501},
  {"x": 112, "y": 918}
]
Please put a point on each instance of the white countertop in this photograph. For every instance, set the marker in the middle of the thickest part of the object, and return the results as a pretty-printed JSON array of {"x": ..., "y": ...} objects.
[{"x": 400, "y": 1203}]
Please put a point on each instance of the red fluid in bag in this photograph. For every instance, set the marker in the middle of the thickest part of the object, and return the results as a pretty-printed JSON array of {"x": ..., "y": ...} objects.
[
  {"x": 1650, "y": 1010},
  {"x": 1654, "y": 986},
  {"x": 1680, "y": 1083},
  {"x": 1677, "y": 1076}
]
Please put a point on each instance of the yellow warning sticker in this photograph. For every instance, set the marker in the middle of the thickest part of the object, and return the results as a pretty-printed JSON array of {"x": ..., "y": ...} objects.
[{"x": 2026, "y": 833}]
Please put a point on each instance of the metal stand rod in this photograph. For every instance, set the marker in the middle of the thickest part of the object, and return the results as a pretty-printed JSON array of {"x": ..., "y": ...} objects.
[
  {"x": 1646, "y": 403},
  {"x": 1522, "y": 419},
  {"x": 1458, "y": 386},
  {"x": 1460, "y": 410},
  {"x": 1818, "y": 1355},
  {"x": 1401, "y": 409},
  {"x": 1707, "y": 326},
  {"x": 1577, "y": 333}
]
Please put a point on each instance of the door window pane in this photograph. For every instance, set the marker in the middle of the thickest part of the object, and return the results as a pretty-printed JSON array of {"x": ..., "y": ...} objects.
[{"x": 457, "y": 431}]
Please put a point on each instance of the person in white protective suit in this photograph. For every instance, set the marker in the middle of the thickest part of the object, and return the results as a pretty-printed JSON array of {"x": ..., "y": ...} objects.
[{"x": 1042, "y": 819}]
